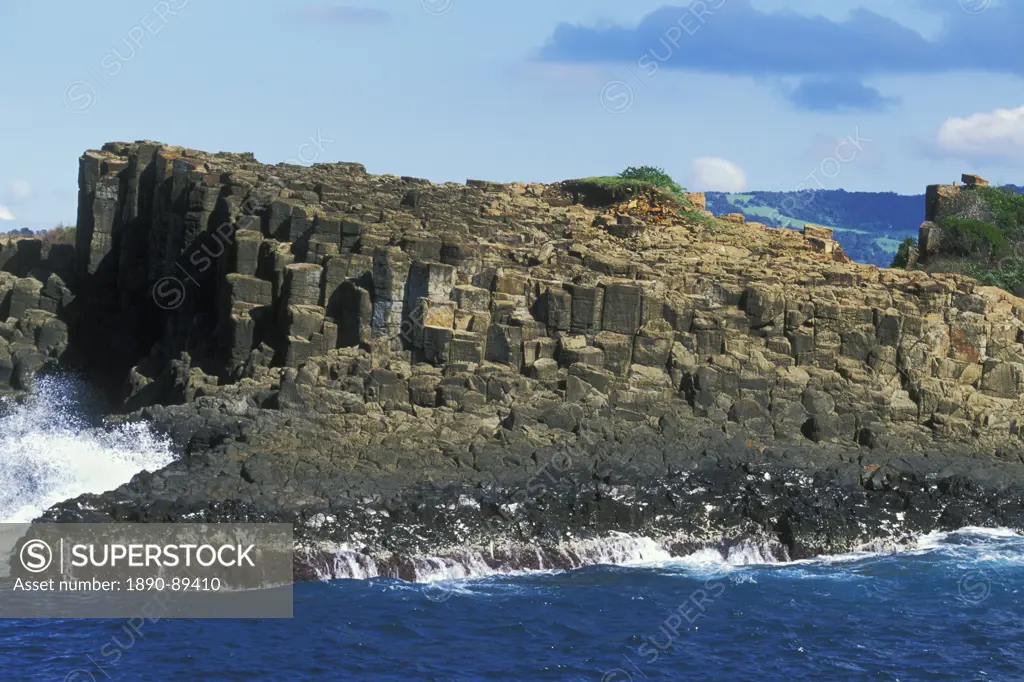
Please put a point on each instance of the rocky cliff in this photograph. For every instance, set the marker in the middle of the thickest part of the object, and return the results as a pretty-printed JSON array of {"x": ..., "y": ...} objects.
[
  {"x": 365, "y": 354},
  {"x": 34, "y": 297}
]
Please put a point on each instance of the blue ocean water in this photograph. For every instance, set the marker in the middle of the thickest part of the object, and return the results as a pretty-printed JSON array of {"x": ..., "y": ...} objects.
[{"x": 948, "y": 609}]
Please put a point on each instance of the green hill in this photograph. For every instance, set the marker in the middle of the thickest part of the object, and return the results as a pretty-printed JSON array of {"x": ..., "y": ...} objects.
[{"x": 869, "y": 225}]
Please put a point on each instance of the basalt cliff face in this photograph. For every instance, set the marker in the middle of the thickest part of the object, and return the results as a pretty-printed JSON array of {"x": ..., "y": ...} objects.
[{"x": 403, "y": 368}]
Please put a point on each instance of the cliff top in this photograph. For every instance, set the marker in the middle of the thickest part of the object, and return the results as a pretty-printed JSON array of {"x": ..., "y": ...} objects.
[{"x": 580, "y": 223}]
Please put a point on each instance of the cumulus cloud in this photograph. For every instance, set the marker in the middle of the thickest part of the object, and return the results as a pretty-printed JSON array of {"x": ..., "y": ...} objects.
[
  {"x": 997, "y": 133},
  {"x": 344, "y": 14},
  {"x": 714, "y": 174},
  {"x": 735, "y": 38},
  {"x": 19, "y": 190},
  {"x": 5, "y": 213}
]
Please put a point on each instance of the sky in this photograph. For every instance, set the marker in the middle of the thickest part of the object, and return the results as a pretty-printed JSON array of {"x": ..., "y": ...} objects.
[{"x": 727, "y": 95}]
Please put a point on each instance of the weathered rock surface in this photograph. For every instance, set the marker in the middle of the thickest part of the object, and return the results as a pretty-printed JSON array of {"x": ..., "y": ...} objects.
[
  {"x": 35, "y": 299},
  {"x": 328, "y": 343}
]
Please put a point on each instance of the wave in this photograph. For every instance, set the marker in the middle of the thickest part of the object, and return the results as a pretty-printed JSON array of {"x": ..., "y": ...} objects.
[
  {"x": 673, "y": 555},
  {"x": 615, "y": 549},
  {"x": 51, "y": 453}
]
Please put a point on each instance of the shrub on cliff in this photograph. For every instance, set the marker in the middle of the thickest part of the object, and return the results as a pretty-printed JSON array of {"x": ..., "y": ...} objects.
[
  {"x": 652, "y": 175},
  {"x": 983, "y": 232},
  {"x": 902, "y": 257},
  {"x": 603, "y": 190},
  {"x": 1006, "y": 208},
  {"x": 979, "y": 239}
]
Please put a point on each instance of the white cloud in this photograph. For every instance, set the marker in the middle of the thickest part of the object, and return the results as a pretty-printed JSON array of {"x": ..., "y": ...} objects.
[
  {"x": 712, "y": 174},
  {"x": 5, "y": 213},
  {"x": 19, "y": 190},
  {"x": 999, "y": 133}
]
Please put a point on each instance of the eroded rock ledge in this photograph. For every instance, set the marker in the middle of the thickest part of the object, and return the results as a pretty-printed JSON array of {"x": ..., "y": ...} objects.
[{"x": 322, "y": 339}]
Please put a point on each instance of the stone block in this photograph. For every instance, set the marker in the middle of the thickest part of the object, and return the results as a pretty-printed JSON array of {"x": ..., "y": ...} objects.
[
  {"x": 351, "y": 235},
  {"x": 327, "y": 230},
  {"x": 390, "y": 272},
  {"x": 1003, "y": 379},
  {"x": 765, "y": 306},
  {"x": 587, "y": 355},
  {"x": 587, "y": 307},
  {"x": 652, "y": 345},
  {"x": 818, "y": 232},
  {"x": 618, "y": 351},
  {"x": 543, "y": 370},
  {"x": 247, "y": 289},
  {"x": 469, "y": 297},
  {"x": 25, "y": 295},
  {"x": 434, "y": 313},
  {"x": 601, "y": 380},
  {"x": 245, "y": 252},
  {"x": 437, "y": 345},
  {"x": 297, "y": 351},
  {"x": 302, "y": 321},
  {"x": 423, "y": 390},
  {"x": 554, "y": 309},
  {"x": 505, "y": 345},
  {"x": 431, "y": 280},
  {"x": 621, "y": 309},
  {"x": 301, "y": 284},
  {"x": 511, "y": 283},
  {"x": 422, "y": 248},
  {"x": 467, "y": 347}
]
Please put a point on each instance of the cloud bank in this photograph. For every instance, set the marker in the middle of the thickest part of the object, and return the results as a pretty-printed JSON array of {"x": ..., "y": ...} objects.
[{"x": 731, "y": 37}]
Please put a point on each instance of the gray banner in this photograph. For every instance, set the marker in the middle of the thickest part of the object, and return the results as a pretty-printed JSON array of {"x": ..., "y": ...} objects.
[{"x": 147, "y": 571}]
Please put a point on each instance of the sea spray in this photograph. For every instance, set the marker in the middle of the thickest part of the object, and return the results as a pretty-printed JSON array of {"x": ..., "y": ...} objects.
[{"x": 49, "y": 451}]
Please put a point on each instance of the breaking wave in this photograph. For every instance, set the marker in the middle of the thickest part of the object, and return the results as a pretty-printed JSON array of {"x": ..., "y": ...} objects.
[
  {"x": 50, "y": 451},
  {"x": 619, "y": 549}
]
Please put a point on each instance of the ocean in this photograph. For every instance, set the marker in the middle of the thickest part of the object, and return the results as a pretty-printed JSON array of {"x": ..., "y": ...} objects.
[{"x": 947, "y": 607}]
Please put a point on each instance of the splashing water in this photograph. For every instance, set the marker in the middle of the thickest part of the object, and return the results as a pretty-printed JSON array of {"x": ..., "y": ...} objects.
[{"x": 49, "y": 452}]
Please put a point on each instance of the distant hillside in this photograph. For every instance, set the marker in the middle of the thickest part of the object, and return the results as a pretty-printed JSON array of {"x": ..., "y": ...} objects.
[{"x": 869, "y": 225}]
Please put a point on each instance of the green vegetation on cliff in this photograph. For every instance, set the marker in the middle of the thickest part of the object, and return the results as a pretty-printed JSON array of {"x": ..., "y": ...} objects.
[
  {"x": 982, "y": 235},
  {"x": 636, "y": 179},
  {"x": 902, "y": 258}
]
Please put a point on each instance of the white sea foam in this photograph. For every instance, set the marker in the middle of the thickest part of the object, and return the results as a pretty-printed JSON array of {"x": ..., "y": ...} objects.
[
  {"x": 620, "y": 549},
  {"x": 49, "y": 454}
]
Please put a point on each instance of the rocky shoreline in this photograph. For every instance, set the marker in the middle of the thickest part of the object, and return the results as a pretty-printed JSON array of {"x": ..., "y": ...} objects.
[
  {"x": 687, "y": 490},
  {"x": 509, "y": 375}
]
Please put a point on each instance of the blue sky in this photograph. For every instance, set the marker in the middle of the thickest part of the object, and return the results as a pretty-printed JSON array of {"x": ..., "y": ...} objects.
[{"x": 724, "y": 94}]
